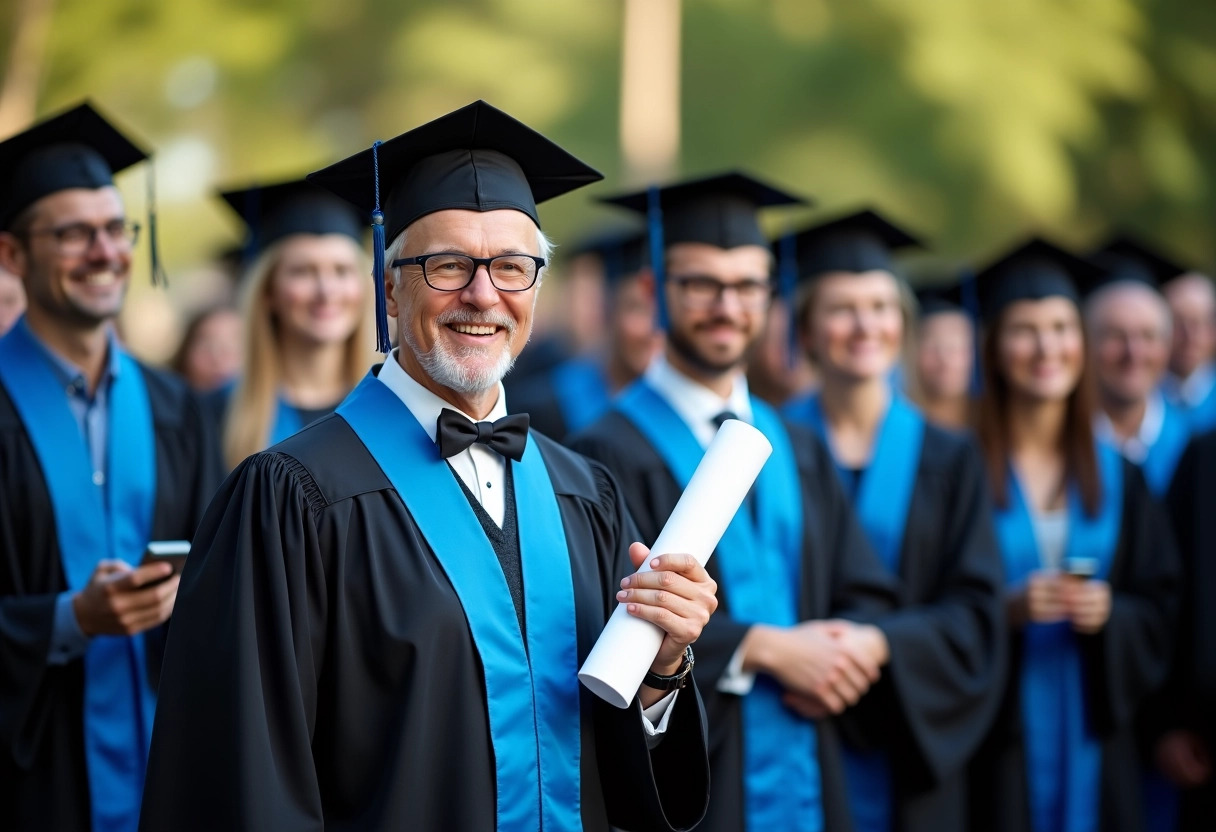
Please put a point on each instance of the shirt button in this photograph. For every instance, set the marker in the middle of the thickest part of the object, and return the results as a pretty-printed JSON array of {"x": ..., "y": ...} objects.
[{"x": 99, "y": 478}]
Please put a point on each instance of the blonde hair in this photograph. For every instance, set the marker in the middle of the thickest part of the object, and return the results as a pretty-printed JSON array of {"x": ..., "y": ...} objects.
[{"x": 254, "y": 401}]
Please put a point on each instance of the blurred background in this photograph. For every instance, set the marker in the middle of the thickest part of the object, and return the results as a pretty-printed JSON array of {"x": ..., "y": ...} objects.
[{"x": 972, "y": 122}]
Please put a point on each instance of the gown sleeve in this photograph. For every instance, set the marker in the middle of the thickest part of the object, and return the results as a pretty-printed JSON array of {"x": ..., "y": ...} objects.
[
  {"x": 946, "y": 672},
  {"x": 1131, "y": 654},
  {"x": 667, "y": 787},
  {"x": 231, "y": 747}
]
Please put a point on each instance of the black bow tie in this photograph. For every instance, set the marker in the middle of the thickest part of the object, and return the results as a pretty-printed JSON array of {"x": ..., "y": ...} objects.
[{"x": 507, "y": 436}]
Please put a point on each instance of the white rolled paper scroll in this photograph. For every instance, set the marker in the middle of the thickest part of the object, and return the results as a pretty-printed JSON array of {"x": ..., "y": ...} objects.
[{"x": 628, "y": 645}]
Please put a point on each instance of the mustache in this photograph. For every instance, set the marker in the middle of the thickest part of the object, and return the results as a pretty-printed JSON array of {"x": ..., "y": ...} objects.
[{"x": 466, "y": 316}]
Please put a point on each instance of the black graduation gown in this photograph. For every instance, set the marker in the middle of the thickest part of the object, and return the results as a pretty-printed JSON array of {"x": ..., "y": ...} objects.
[
  {"x": 320, "y": 673},
  {"x": 941, "y": 690},
  {"x": 1124, "y": 663},
  {"x": 538, "y": 397},
  {"x": 43, "y": 780},
  {"x": 840, "y": 576},
  {"x": 1189, "y": 697}
]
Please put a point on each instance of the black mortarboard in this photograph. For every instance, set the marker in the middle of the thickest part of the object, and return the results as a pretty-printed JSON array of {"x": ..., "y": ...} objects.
[
  {"x": 77, "y": 148},
  {"x": 622, "y": 252},
  {"x": 860, "y": 242},
  {"x": 935, "y": 300},
  {"x": 1033, "y": 271},
  {"x": 476, "y": 158},
  {"x": 272, "y": 212},
  {"x": 1126, "y": 259},
  {"x": 717, "y": 210}
]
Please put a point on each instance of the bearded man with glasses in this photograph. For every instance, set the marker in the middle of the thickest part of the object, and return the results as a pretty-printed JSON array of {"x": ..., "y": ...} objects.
[{"x": 99, "y": 456}]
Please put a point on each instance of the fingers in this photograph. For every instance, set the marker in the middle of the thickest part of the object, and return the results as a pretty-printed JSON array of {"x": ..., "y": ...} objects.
[
  {"x": 638, "y": 552},
  {"x": 805, "y": 706}
]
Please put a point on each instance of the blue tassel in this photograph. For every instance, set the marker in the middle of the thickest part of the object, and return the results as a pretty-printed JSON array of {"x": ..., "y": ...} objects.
[
  {"x": 787, "y": 277},
  {"x": 383, "y": 344},
  {"x": 654, "y": 223}
]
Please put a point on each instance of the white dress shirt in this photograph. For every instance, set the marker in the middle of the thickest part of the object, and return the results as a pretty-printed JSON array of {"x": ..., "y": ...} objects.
[
  {"x": 1191, "y": 391},
  {"x": 697, "y": 405},
  {"x": 484, "y": 473},
  {"x": 1135, "y": 448}
]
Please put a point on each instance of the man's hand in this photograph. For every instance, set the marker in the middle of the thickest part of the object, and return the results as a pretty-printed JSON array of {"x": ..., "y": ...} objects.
[
  {"x": 825, "y": 665},
  {"x": 118, "y": 601},
  {"x": 1087, "y": 603},
  {"x": 1184, "y": 758},
  {"x": 678, "y": 596}
]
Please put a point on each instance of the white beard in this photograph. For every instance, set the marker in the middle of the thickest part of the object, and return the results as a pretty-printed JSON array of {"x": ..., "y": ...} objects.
[{"x": 463, "y": 369}]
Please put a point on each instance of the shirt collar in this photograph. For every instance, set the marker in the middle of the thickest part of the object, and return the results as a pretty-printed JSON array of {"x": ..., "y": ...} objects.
[
  {"x": 1136, "y": 448},
  {"x": 694, "y": 402},
  {"x": 425, "y": 405},
  {"x": 71, "y": 376},
  {"x": 1195, "y": 388}
]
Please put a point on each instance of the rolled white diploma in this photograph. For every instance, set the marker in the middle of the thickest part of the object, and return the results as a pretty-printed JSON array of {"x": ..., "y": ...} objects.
[{"x": 628, "y": 645}]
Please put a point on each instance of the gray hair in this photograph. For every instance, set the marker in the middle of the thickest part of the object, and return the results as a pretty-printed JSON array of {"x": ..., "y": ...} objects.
[
  {"x": 1096, "y": 301},
  {"x": 397, "y": 247}
]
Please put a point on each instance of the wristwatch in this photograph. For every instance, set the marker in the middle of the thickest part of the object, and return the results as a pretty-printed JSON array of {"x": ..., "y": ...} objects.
[{"x": 677, "y": 680}]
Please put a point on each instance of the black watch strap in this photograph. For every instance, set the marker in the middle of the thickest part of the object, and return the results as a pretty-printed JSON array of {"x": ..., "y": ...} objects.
[{"x": 677, "y": 680}]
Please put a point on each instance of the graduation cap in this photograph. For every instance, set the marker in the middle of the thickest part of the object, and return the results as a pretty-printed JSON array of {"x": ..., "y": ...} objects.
[
  {"x": 1034, "y": 270},
  {"x": 272, "y": 212},
  {"x": 859, "y": 242},
  {"x": 938, "y": 300},
  {"x": 623, "y": 252},
  {"x": 719, "y": 210},
  {"x": 77, "y": 148},
  {"x": 1126, "y": 259},
  {"x": 476, "y": 158}
]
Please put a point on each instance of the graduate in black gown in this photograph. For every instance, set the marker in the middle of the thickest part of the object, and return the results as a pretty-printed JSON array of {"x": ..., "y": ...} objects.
[
  {"x": 769, "y": 665},
  {"x": 1182, "y": 720},
  {"x": 99, "y": 455},
  {"x": 572, "y": 395},
  {"x": 1090, "y": 566},
  {"x": 941, "y": 365},
  {"x": 307, "y": 315},
  {"x": 1129, "y": 322},
  {"x": 383, "y": 623},
  {"x": 920, "y": 495}
]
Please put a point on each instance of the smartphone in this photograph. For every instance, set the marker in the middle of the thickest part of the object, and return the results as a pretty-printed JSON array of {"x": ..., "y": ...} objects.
[
  {"x": 172, "y": 552},
  {"x": 1081, "y": 567}
]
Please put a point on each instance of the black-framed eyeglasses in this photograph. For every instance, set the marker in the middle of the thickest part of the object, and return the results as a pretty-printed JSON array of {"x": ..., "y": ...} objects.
[
  {"x": 451, "y": 272},
  {"x": 76, "y": 238},
  {"x": 702, "y": 291}
]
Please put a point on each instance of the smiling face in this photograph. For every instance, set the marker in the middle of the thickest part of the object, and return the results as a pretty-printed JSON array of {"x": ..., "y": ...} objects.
[
  {"x": 462, "y": 342},
  {"x": 856, "y": 324},
  {"x": 86, "y": 289},
  {"x": 1131, "y": 332},
  {"x": 317, "y": 293},
  {"x": 1192, "y": 301},
  {"x": 1040, "y": 348},
  {"x": 945, "y": 353},
  {"x": 711, "y": 336}
]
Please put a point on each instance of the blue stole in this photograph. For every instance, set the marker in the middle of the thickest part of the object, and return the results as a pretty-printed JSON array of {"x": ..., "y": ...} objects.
[
  {"x": 286, "y": 421},
  {"x": 881, "y": 502},
  {"x": 1203, "y": 415},
  {"x": 1163, "y": 456},
  {"x": 1063, "y": 757},
  {"x": 756, "y": 560},
  {"x": 91, "y": 526},
  {"x": 533, "y": 706},
  {"x": 583, "y": 394}
]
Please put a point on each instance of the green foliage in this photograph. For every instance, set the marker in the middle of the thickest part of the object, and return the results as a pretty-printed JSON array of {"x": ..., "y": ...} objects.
[{"x": 972, "y": 120}]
